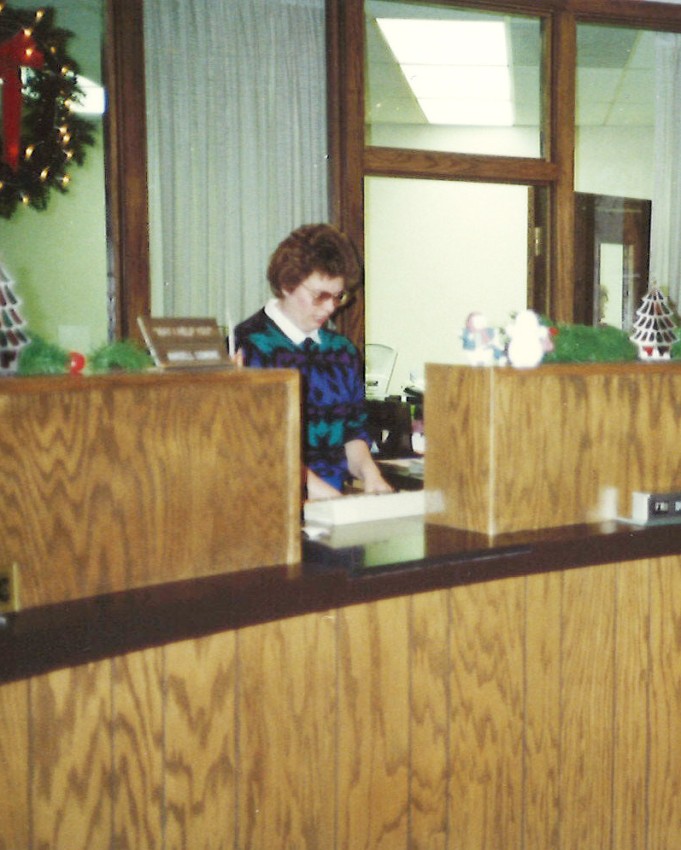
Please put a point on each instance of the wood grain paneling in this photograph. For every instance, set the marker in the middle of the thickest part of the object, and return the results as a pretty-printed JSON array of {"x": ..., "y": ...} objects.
[
  {"x": 631, "y": 721},
  {"x": 664, "y": 752},
  {"x": 286, "y": 734},
  {"x": 138, "y": 740},
  {"x": 558, "y": 439},
  {"x": 487, "y": 685},
  {"x": 373, "y": 726},
  {"x": 460, "y": 450},
  {"x": 588, "y": 712},
  {"x": 541, "y": 770},
  {"x": 199, "y": 743},
  {"x": 539, "y": 712},
  {"x": 14, "y": 766},
  {"x": 110, "y": 484},
  {"x": 71, "y": 758},
  {"x": 429, "y": 664}
]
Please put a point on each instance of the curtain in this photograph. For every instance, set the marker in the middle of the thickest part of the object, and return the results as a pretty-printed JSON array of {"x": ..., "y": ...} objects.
[
  {"x": 665, "y": 237},
  {"x": 236, "y": 112}
]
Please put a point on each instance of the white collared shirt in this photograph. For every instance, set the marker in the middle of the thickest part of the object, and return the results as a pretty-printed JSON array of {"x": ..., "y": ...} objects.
[{"x": 286, "y": 326}]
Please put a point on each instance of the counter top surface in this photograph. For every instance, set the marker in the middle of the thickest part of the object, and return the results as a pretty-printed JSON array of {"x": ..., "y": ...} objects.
[{"x": 377, "y": 562}]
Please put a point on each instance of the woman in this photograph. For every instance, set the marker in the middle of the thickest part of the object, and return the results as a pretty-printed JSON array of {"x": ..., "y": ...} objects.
[{"x": 311, "y": 273}]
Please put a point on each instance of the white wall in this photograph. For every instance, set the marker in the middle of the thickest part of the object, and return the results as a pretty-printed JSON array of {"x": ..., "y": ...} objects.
[
  {"x": 57, "y": 259},
  {"x": 436, "y": 250}
]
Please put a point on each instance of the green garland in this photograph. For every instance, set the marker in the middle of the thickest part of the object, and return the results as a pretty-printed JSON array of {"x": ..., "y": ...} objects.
[
  {"x": 589, "y": 344},
  {"x": 43, "y": 358},
  {"x": 40, "y": 357},
  {"x": 122, "y": 356},
  {"x": 52, "y": 136}
]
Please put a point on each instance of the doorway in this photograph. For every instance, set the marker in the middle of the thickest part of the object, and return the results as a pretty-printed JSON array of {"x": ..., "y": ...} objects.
[{"x": 612, "y": 254}]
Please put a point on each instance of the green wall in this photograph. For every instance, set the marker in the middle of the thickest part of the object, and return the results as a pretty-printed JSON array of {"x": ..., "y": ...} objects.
[{"x": 58, "y": 260}]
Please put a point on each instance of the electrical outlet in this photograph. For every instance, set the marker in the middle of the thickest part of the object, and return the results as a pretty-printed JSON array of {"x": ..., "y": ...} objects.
[
  {"x": 656, "y": 508},
  {"x": 9, "y": 589}
]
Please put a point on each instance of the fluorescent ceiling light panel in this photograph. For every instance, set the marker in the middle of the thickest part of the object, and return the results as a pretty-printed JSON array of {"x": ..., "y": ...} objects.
[
  {"x": 457, "y": 70},
  {"x": 468, "y": 113},
  {"x": 445, "y": 42},
  {"x": 461, "y": 81}
]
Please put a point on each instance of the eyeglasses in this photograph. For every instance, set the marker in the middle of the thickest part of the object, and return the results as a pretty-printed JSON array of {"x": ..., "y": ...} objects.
[{"x": 340, "y": 299}]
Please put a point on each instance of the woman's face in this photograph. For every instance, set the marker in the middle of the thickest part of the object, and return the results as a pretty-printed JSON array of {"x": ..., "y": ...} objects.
[{"x": 312, "y": 303}]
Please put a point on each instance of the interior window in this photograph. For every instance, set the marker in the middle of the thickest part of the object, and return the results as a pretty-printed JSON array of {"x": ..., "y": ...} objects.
[
  {"x": 447, "y": 79},
  {"x": 614, "y": 170},
  {"x": 589, "y": 111}
]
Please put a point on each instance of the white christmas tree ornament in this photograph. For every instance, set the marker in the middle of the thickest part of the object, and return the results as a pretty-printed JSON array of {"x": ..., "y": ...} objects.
[
  {"x": 12, "y": 326},
  {"x": 655, "y": 327}
]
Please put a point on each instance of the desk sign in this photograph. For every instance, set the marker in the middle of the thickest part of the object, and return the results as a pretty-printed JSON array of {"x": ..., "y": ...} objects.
[
  {"x": 184, "y": 343},
  {"x": 656, "y": 508}
]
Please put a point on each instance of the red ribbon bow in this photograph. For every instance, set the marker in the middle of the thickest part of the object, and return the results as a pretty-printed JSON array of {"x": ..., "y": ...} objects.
[{"x": 20, "y": 51}]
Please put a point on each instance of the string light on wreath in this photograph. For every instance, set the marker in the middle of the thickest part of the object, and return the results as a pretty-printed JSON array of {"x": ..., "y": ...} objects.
[{"x": 40, "y": 135}]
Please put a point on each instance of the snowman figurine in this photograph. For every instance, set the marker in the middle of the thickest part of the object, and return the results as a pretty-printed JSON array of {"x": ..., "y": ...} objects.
[{"x": 529, "y": 340}]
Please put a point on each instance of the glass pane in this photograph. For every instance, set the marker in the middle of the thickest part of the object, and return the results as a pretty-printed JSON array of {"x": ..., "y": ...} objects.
[
  {"x": 614, "y": 169},
  {"x": 447, "y": 79},
  {"x": 57, "y": 256},
  {"x": 435, "y": 252},
  {"x": 615, "y": 111}
]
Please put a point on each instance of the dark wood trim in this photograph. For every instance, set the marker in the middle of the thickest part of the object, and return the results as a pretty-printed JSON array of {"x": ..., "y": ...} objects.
[
  {"x": 335, "y": 108},
  {"x": 345, "y": 116},
  {"x": 127, "y": 165},
  {"x": 395, "y": 162},
  {"x": 640, "y": 13},
  {"x": 39, "y": 640},
  {"x": 562, "y": 153},
  {"x": 630, "y": 13}
]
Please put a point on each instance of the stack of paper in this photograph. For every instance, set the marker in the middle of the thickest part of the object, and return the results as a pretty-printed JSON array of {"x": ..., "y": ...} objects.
[{"x": 363, "y": 507}]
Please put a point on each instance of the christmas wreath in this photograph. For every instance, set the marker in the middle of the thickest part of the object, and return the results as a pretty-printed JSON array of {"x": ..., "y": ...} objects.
[{"x": 40, "y": 135}]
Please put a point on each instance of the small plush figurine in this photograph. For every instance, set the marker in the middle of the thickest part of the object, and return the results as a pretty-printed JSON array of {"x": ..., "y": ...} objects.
[
  {"x": 481, "y": 342},
  {"x": 529, "y": 340}
]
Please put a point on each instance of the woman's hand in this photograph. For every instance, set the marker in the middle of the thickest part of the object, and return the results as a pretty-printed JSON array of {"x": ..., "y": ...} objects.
[
  {"x": 362, "y": 466},
  {"x": 317, "y": 488},
  {"x": 375, "y": 482}
]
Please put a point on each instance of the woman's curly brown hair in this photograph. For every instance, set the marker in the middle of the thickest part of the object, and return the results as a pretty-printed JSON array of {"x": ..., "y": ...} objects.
[{"x": 320, "y": 248}]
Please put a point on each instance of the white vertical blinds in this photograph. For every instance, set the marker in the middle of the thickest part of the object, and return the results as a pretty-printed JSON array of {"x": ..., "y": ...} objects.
[
  {"x": 665, "y": 235},
  {"x": 236, "y": 112}
]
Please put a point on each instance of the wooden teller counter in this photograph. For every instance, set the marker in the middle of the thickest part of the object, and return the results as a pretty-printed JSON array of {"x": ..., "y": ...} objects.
[{"x": 180, "y": 667}]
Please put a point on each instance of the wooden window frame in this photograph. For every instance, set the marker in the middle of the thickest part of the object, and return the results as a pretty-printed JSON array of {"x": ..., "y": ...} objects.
[{"x": 351, "y": 160}]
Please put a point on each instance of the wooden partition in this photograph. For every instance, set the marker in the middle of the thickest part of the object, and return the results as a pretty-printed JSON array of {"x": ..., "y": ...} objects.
[
  {"x": 535, "y": 712},
  {"x": 121, "y": 481},
  {"x": 559, "y": 445},
  {"x": 540, "y": 713}
]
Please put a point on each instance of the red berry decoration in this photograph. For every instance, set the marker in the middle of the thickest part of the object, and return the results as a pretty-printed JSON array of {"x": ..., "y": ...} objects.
[{"x": 76, "y": 363}]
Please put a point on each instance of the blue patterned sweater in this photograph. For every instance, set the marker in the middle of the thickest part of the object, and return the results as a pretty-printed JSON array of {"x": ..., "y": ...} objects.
[{"x": 332, "y": 389}]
